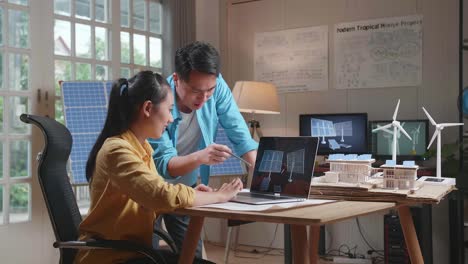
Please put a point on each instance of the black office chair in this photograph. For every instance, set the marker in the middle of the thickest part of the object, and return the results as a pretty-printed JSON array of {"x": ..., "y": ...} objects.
[{"x": 61, "y": 203}]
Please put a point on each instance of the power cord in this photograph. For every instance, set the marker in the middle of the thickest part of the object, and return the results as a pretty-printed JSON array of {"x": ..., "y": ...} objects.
[
  {"x": 264, "y": 253},
  {"x": 365, "y": 240}
]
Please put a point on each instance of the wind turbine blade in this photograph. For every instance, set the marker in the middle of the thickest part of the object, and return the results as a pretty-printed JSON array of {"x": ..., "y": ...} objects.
[
  {"x": 451, "y": 124},
  {"x": 403, "y": 130},
  {"x": 429, "y": 116},
  {"x": 396, "y": 110},
  {"x": 388, "y": 131},
  {"x": 381, "y": 127},
  {"x": 433, "y": 137}
]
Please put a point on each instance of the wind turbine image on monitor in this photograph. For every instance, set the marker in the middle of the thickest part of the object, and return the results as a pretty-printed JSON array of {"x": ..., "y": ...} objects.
[
  {"x": 396, "y": 128},
  {"x": 415, "y": 133},
  {"x": 388, "y": 135},
  {"x": 437, "y": 133}
]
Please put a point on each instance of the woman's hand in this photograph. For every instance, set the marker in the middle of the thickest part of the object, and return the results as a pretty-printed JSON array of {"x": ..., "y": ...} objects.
[
  {"x": 203, "y": 188},
  {"x": 229, "y": 190},
  {"x": 206, "y": 195}
]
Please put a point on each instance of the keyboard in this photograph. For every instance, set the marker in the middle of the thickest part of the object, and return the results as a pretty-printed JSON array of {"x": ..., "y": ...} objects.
[{"x": 265, "y": 196}]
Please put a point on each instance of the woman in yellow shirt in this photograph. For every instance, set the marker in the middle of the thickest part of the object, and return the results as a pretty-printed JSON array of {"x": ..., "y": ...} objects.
[{"x": 126, "y": 191}]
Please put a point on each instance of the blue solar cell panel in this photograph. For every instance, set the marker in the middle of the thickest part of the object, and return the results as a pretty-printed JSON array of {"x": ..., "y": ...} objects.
[
  {"x": 82, "y": 94},
  {"x": 85, "y": 120},
  {"x": 85, "y": 110},
  {"x": 231, "y": 166},
  {"x": 108, "y": 89}
]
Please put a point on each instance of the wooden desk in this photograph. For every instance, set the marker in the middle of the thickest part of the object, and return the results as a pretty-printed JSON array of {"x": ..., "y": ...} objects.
[
  {"x": 427, "y": 194},
  {"x": 298, "y": 218}
]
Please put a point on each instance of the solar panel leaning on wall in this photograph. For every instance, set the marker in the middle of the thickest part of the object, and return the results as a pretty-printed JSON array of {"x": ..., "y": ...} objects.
[{"x": 85, "y": 110}]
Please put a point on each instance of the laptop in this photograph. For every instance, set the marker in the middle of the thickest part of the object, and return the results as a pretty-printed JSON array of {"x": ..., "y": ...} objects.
[{"x": 283, "y": 171}]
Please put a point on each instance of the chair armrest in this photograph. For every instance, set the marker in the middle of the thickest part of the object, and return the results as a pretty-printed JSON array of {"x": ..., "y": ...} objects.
[
  {"x": 167, "y": 238},
  {"x": 152, "y": 254}
]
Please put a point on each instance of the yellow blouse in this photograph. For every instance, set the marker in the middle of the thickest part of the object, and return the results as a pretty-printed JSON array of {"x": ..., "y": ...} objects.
[{"x": 127, "y": 193}]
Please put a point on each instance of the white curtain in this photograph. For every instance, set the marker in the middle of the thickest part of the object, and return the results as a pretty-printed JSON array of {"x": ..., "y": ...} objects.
[{"x": 179, "y": 29}]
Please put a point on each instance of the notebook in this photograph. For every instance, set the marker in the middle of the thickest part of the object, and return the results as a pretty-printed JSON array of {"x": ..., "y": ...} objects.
[{"x": 283, "y": 171}]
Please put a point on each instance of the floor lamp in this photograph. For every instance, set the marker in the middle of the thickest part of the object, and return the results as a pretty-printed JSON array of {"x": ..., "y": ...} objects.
[
  {"x": 256, "y": 98},
  {"x": 253, "y": 98}
]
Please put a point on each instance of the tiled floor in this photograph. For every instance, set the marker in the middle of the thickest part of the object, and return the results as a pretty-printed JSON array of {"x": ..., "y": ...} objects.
[{"x": 243, "y": 254}]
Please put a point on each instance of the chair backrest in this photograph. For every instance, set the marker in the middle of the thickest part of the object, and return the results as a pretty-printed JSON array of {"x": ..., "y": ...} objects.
[{"x": 54, "y": 181}]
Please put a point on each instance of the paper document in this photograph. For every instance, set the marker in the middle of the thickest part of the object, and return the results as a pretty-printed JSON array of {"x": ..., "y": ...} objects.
[{"x": 265, "y": 207}]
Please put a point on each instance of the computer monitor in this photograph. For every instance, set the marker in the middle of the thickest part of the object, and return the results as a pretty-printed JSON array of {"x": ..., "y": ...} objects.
[
  {"x": 381, "y": 141},
  {"x": 338, "y": 133}
]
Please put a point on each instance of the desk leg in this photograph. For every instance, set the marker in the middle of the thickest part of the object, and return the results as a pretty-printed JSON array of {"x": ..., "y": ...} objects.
[
  {"x": 191, "y": 239},
  {"x": 299, "y": 244},
  {"x": 314, "y": 236},
  {"x": 412, "y": 244}
]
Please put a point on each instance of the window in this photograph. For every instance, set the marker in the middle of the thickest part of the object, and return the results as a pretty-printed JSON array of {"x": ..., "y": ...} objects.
[
  {"x": 15, "y": 91},
  {"x": 81, "y": 42},
  {"x": 140, "y": 36}
]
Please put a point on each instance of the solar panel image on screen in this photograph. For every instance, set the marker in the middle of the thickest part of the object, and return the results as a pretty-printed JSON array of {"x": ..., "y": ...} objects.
[
  {"x": 85, "y": 110},
  {"x": 231, "y": 166},
  {"x": 344, "y": 128},
  {"x": 295, "y": 161},
  {"x": 322, "y": 128},
  {"x": 271, "y": 161},
  {"x": 348, "y": 135}
]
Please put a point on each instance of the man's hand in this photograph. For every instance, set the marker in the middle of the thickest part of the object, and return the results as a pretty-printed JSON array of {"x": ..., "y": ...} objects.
[{"x": 214, "y": 154}]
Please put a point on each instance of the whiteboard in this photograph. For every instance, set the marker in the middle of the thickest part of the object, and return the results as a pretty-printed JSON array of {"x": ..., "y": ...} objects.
[
  {"x": 295, "y": 60},
  {"x": 379, "y": 53}
]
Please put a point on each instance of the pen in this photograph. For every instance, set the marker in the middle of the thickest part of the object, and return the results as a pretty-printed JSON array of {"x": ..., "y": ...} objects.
[{"x": 241, "y": 159}]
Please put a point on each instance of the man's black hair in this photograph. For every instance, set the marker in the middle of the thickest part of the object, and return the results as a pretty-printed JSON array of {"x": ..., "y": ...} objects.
[{"x": 198, "y": 56}]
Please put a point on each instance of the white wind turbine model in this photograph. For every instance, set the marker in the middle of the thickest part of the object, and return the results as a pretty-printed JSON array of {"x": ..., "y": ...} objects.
[
  {"x": 438, "y": 129},
  {"x": 396, "y": 128},
  {"x": 388, "y": 135}
]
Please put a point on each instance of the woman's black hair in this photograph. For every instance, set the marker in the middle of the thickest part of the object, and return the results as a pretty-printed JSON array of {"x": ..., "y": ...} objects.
[
  {"x": 198, "y": 56},
  {"x": 126, "y": 98}
]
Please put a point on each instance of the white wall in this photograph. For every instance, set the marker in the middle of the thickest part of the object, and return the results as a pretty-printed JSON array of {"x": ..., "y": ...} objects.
[
  {"x": 439, "y": 88},
  {"x": 207, "y": 21},
  {"x": 438, "y": 92}
]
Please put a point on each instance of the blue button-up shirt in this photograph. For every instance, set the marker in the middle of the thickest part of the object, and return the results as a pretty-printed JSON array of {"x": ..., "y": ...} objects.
[{"x": 220, "y": 108}]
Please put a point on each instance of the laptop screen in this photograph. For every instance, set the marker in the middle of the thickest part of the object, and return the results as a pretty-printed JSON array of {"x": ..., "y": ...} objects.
[{"x": 284, "y": 165}]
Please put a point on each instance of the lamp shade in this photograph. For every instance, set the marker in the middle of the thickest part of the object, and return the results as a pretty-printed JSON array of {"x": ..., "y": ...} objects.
[{"x": 256, "y": 97}]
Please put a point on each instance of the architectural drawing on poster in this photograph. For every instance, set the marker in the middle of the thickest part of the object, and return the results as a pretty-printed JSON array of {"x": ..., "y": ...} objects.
[
  {"x": 379, "y": 53},
  {"x": 295, "y": 60}
]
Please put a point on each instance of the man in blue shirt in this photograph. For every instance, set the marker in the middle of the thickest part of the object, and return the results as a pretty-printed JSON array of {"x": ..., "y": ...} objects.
[{"x": 202, "y": 99}]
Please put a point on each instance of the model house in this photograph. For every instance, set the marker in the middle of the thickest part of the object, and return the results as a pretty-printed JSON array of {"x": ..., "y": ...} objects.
[
  {"x": 399, "y": 176},
  {"x": 349, "y": 168}
]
